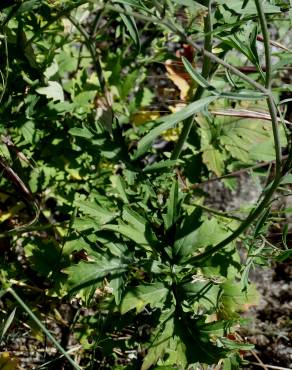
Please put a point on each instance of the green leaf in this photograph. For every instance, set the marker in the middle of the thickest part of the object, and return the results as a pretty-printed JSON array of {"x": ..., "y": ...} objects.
[
  {"x": 172, "y": 206},
  {"x": 127, "y": 230},
  {"x": 218, "y": 328},
  {"x": 85, "y": 223},
  {"x": 119, "y": 184},
  {"x": 136, "y": 228},
  {"x": 213, "y": 159},
  {"x": 29, "y": 5},
  {"x": 138, "y": 297},
  {"x": 204, "y": 296},
  {"x": 159, "y": 345},
  {"x": 235, "y": 298},
  {"x": 283, "y": 256},
  {"x": 158, "y": 166},
  {"x": 100, "y": 214},
  {"x": 133, "y": 3},
  {"x": 53, "y": 91},
  {"x": 244, "y": 95},
  {"x": 192, "y": 348},
  {"x": 85, "y": 274},
  {"x": 230, "y": 344},
  {"x": 250, "y": 8},
  {"x": 167, "y": 122},
  {"x": 131, "y": 26},
  {"x": 134, "y": 219},
  {"x": 7, "y": 324},
  {"x": 43, "y": 256},
  {"x": 197, "y": 77},
  {"x": 287, "y": 179},
  {"x": 81, "y": 132},
  {"x": 186, "y": 238},
  {"x": 190, "y": 4}
]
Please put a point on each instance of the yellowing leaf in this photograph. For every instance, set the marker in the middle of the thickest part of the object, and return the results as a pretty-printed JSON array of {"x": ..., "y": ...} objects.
[
  {"x": 144, "y": 116},
  {"x": 7, "y": 362},
  {"x": 172, "y": 134},
  {"x": 12, "y": 212},
  {"x": 213, "y": 160}
]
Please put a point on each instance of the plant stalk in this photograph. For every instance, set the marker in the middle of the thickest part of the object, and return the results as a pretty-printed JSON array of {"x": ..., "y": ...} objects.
[
  {"x": 187, "y": 125},
  {"x": 196, "y": 46},
  {"x": 43, "y": 328},
  {"x": 91, "y": 50},
  {"x": 254, "y": 214},
  {"x": 268, "y": 84}
]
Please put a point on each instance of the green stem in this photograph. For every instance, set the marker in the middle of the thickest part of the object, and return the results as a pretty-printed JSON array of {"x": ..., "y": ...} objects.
[
  {"x": 266, "y": 37},
  {"x": 196, "y": 46},
  {"x": 270, "y": 99},
  {"x": 43, "y": 328},
  {"x": 5, "y": 79},
  {"x": 92, "y": 50},
  {"x": 53, "y": 20},
  {"x": 268, "y": 83},
  {"x": 274, "y": 119},
  {"x": 28, "y": 229},
  {"x": 254, "y": 214},
  {"x": 216, "y": 212},
  {"x": 272, "y": 108},
  {"x": 276, "y": 134},
  {"x": 187, "y": 125}
]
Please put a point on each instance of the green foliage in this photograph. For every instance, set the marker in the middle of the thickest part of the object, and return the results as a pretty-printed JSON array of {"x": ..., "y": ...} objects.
[{"x": 85, "y": 143}]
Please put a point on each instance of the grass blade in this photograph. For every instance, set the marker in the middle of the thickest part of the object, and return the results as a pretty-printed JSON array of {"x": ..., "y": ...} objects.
[{"x": 43, "y": 328}]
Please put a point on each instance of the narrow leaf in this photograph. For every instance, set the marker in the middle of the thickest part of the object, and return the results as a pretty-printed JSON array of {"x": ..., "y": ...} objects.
[
  {"x": 7, "y": 324},
  {"x": 167, "y": 122},
  {"x": 197, "y": 77},
  {"x": 131, "y": 26}
]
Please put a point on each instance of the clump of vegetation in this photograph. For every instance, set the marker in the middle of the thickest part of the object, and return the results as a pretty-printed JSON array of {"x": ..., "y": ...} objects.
[{"x": 114, "y": 113}]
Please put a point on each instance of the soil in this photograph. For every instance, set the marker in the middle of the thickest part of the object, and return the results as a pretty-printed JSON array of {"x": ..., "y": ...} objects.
[{"x": 269, "y": 327}]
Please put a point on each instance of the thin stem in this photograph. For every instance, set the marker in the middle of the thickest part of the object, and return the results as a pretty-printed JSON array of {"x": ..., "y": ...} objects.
[
  {"x": 5, "y": 79},
  {"x": 266, "y": 41},
  {"x": 244, "y": 113},
  {"x": 236, "y": 173},
  {"x": 272, "y": 109},
  {"x": 254, "y": 214},
  {"x": 276, "y": 134},
  {"x": 53, "y": 20},
  {"x": 278, "y": 173},
  {"x": 187, "y": 125},
  {"x": 269, "y": 366},
  {"x": 43, "y": 328},
  {"x": 216, "y": 212},
  {"x": 268, "y": 84},
  {"x": 92, "y": 51},
  {"x": 196, "y": 46}
]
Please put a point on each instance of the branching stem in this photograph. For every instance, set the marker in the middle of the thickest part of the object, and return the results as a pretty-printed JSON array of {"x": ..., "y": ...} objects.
[
  {"x": 187, "y": 125},
  {"x": 271, "y": 105}
]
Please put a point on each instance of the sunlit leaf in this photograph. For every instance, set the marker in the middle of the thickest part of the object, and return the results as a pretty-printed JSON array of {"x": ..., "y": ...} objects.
[{"x": 142, "y": 295}]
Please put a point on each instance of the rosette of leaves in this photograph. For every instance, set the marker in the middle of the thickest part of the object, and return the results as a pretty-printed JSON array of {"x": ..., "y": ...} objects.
[{"x": 142, "y": 255}]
